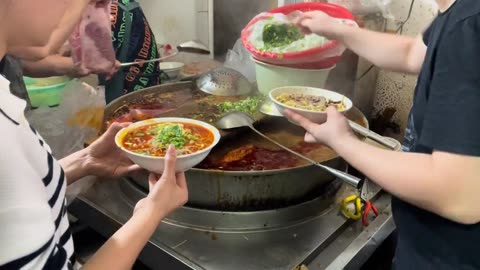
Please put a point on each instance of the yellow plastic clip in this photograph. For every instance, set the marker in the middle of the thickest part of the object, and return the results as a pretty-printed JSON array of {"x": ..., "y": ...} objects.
[{"x": 358, "y": 207}]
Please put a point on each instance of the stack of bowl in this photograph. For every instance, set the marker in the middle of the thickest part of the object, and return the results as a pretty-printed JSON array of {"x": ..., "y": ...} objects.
[
  {"x": 271, "y": 76},
  {"x": 171, "y": 70}
]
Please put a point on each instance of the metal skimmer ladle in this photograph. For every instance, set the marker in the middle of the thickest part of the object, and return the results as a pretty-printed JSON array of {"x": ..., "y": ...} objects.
[
  {"x": 188, "y": 47},
  {"x": 239, "y": 119},
  {"x": 224, "y": 82}
]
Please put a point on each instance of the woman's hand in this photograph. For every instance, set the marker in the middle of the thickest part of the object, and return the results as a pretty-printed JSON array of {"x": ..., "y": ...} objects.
[
  {"x": 105, "y": 159},
  {"x": 333, "y": 131},
  {"x": 115, "y": 69},
  {"x": 319, "y": 23},
  {"x": 76, "y": 71},
  {"x": 167, "y": 192}
]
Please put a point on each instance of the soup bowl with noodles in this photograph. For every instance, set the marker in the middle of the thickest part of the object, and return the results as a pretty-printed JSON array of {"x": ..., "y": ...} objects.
[
  {"x": 309, "y": 102},
  {"x": 146, "y": 142}
]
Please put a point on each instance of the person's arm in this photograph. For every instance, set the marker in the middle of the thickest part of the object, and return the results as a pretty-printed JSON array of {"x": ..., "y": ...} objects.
[
  {"x": 443, "y": 183},
  {"x": 102, "y": 158},
  {"x": 53, "y": 65},
  {"x": 59, "y": 36},
  {"x": 122, "y": 249},
  {"x": 169, "y": 192},
  {"x": 447, "y": 181},
  {"x": 388, "y": 51},
  {"x": 75, "y": 166}
]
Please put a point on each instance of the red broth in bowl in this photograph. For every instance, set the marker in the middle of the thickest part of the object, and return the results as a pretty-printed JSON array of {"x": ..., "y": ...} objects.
[{"x": 153, "y": 140}]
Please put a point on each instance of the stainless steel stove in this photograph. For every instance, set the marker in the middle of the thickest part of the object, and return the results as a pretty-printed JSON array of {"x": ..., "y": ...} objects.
[{"x": 311, "y": 235}]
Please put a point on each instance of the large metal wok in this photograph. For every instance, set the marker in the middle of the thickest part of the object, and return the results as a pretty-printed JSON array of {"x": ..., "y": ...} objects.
[{"x": 240, "y": 190}]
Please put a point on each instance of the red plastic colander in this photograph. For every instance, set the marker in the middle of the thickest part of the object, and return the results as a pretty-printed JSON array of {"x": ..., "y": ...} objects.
[{"x": 325, "y": 56}]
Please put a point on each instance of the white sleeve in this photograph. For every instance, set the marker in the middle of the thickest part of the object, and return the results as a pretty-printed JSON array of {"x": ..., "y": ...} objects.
[
  {"x": 33, "y": 226},
  {"x": 27, "y": 229},
  {"x": 26, "y": 237}
]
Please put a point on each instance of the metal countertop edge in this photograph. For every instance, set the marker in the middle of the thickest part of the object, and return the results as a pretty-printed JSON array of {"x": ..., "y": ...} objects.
[{"x": 364, "y": 245}]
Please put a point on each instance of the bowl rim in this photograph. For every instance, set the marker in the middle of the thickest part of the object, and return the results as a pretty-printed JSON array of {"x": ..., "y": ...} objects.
[
  {"x": 268, "y": 65},
  {"x": 151, "y": 121},
  {"x": 274, "y": 100},
  {"x": 47, "y": 87}
]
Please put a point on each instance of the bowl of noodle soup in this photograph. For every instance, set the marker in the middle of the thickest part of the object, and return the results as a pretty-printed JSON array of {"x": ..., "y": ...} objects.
[
  {"x": 146, "y": 142},
  {"x": 309, "y": 102}
]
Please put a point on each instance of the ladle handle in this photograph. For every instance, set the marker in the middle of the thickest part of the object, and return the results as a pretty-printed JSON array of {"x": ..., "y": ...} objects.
[
  {"x": 372, "y": 135},
  {"x": 347, "y": 178},
  {"x": 148, "y": 61}
]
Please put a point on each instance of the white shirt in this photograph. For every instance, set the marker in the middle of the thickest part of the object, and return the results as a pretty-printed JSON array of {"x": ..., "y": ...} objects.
[{"x": 34, "y": 229}]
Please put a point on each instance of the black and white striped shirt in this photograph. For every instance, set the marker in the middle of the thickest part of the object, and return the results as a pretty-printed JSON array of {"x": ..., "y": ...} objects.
[{"x": 34, "y": 228}]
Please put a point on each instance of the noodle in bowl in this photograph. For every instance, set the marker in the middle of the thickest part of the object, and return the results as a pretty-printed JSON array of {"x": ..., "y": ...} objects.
[
  {"x": 146, "y": 142},
  {"x": 309, "y": 102}
]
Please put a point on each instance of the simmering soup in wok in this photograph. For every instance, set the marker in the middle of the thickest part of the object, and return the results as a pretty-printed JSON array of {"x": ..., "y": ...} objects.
[{"x": 153, "y": 140}]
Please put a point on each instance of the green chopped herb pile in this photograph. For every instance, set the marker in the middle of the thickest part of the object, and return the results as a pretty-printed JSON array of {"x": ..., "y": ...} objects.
[
  {"x": 172, "y": 134},
  {"x": 248, "y": 105},
  {"x": 279, "y": 35}
]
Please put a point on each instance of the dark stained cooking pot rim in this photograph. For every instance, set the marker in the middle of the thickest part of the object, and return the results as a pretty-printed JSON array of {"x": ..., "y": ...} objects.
[{"x": 263, "y": 172}]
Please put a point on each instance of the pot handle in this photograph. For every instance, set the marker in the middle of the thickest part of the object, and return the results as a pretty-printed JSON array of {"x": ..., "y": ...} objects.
[{"x": 345, "y": 177}]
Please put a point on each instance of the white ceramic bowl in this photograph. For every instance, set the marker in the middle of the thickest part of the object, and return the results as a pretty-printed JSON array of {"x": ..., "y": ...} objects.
[
  {"x": 157, "y": 164},
  {"x": 314, "y": 116},
  {"x": 172, "y": 69}
]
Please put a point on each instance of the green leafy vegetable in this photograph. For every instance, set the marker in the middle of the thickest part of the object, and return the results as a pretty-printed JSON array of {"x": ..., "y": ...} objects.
[{"x": 279, "y": 35}]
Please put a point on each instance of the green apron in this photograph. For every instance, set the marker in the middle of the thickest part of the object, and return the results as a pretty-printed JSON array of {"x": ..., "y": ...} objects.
[{"x": 115, "y": 87}]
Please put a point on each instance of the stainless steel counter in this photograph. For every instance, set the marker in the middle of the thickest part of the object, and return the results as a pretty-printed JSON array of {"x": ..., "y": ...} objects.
[{"x": 323, "y": 240}]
